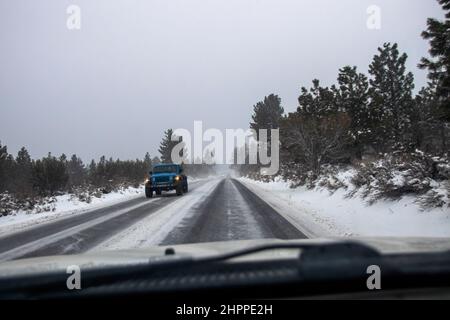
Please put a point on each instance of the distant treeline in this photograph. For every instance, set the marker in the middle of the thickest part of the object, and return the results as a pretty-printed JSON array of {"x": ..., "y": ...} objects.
[{"x": 25, "y": 177}]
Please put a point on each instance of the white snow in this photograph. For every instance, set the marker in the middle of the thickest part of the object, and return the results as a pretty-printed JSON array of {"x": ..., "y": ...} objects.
[
  {"x": 65, "y": 205},
  {"x": 320, "y": 214}
]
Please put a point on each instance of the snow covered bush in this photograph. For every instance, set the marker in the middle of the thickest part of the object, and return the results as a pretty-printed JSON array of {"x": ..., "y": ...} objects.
[
  {"x": 397, "y": 175},
  {"x": 432, "y": 199},
  {"x": 392, "y": 177},
  {"x": 332, "y": 178},
  {"x": 10, "y": 204},
  {"x": 7, "y": 204}
]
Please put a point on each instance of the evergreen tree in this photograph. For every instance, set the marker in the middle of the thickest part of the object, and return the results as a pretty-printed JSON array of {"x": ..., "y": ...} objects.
[
  {"x": 3, "y": 155},
  {"x": 100, "y": 172},
  {"x": 22, "y": 179},
  {"x": 430, "y": 133},
  {"x": 92, "y": 170},
  {"x": 76, "y": 171},
  {"x": 63, "y": 158},
  {"x": 23, "y": 159},
  {"x": 438, "y": 34},
  {"x": 352, "y": 98},
  {"x": 267, "y": 114},
  {"x": 166, "y": 146},
  {"x": 147, "y": 161},
  {"x": 391, "y": 98},
  {"x": 49, "y": 175},
  {"x": 318, "y": 101},
  {"x": 6, "y": 167}
]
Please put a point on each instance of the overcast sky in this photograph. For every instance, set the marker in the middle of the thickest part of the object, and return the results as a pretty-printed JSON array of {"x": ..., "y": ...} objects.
[{"x": 136, "y": 68}]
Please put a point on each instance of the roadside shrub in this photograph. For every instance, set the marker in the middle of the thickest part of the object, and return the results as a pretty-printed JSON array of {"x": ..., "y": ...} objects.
[
  {"x": 431, "y": 199},
  {"x": 401, "y": 174}
]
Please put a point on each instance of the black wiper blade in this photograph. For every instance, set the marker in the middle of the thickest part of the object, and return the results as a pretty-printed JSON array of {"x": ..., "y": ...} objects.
[{"x": 310, "y": 251}]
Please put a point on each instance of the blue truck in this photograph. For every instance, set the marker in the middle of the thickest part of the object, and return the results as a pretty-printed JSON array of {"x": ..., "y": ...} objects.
[{"x": 166, "y": 177}]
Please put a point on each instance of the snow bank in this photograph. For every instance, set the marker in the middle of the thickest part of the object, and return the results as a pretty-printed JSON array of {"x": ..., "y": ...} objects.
[
  {"x": 320, "y": 213},
  {"x": 64, "y": 205}
]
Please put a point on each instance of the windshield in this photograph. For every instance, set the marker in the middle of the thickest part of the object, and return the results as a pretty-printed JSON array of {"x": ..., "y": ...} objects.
[
  {"x": 291, "y": 120},
  {"x": 165, "y": 169}
]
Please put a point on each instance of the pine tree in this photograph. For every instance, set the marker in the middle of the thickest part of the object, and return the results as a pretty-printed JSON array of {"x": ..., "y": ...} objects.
[
  {"x": 147, "y": 161},
  {"x": 166, "y": 146},
  {"x": 318, "y": 101},
  {"x": 76, "y": 171},
  {"x": 22, "y": 179},
  {"x": 267, "y": 114},
  {"x": 438, "y": 34},
  {"x": 5, "y": 168},
  {"x": 391, "y": 98},
  {"x": 430, "y": 133},
  {"x": 49, "y": 175},
  {"x": 92, "y": 169},
  {"x": 352, "y": 98},
  {"x": 100, "y": 172}
]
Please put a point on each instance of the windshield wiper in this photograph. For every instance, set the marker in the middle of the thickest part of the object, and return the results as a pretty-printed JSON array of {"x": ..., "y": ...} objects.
[
  {"x": 322, "y": 262},
  {"x": 171, "y": 261},
  {"x": 307, "y": 250}
]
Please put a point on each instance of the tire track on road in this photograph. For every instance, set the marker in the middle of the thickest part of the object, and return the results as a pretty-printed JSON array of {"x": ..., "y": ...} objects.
[
  {"x": 78, "y": 233},
  {"x": 232, "y": 212}
]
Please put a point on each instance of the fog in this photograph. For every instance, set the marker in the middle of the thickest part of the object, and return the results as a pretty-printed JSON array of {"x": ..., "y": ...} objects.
[{"x": 136, "y": 68}]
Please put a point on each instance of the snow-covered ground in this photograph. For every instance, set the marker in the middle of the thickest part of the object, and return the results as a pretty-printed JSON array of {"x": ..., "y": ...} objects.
[
  {"x": 319, "y": 213},
  {"x": 63, "y": 206}
]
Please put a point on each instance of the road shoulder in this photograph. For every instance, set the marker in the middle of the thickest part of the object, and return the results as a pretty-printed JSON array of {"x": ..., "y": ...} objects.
[{"x": 305, "y": 221}]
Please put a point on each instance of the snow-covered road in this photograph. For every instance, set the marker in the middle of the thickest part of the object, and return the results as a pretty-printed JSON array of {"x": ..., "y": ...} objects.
[
  {"x": 220, "y": 210},
  {"x": 216, "y": 209}
]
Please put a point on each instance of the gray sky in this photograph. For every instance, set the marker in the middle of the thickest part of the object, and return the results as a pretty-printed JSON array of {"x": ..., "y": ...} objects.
[{"x": 138, "y": 67}]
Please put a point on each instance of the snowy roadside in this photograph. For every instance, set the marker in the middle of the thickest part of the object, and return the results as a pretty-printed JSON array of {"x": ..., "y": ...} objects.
[
  {"x": 319, "y": 213},
  {"x": 64, "y": 205}
]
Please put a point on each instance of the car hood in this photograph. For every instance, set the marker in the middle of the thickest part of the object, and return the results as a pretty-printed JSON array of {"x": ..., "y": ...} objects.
[{"x": 140, "y": 256}]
